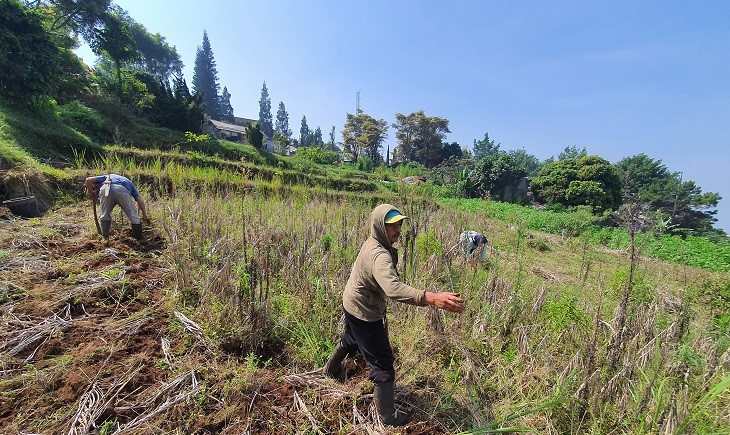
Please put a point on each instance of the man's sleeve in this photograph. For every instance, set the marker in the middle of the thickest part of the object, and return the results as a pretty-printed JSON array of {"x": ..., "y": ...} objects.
[{"x": 386, "y": 276}]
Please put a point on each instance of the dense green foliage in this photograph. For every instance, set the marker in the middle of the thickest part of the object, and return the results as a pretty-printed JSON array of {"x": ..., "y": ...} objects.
[
  {"x": 363, "y": 136},
  {"x": 587, "y": 180},
  {"x": 495, "y": 173},
  {"x": 485, "y": 147},
  {"x": 35, "y": 61},
  {"x": 648, "y": 181},
  {"x": 420, "y": 138}
]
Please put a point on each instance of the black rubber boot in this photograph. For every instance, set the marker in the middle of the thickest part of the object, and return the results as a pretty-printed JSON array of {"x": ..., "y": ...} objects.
[
  {"x": 137, "y": 231},
  {"x": 384, "y": 404},
  {"x": 334, "y": 368},
  {"x": 105, "y": 227}
]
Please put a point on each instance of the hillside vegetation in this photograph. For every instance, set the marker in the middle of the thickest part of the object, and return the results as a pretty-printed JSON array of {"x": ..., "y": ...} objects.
[{"x": 220, "y": 319}]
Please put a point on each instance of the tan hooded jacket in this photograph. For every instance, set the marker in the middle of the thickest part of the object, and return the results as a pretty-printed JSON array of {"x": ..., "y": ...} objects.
[{"x": 373, "y": 278}]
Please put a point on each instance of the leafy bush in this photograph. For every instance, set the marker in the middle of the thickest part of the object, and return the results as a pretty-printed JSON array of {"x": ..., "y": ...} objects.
[{"x": 317, "y": 155}]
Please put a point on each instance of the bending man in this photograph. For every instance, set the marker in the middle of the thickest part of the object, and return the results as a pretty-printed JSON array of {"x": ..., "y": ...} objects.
[{"x": 116, "y": 189}]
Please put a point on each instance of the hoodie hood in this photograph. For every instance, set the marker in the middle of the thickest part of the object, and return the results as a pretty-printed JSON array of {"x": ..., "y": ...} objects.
[{"x": 377, "y": 224}]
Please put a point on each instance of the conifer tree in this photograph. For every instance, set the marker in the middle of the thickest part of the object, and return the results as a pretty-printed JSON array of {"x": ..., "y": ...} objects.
[
  {"x": 226, "y": 108},
  {"x": 266, "y": 125},
  {"x": 282, "y": 121},
  {"x": 305, "y": 134},
  {"x": 205, "y": 78}
]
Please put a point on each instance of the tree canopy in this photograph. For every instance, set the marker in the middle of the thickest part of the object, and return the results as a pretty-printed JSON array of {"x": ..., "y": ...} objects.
[
  {"x": 420, "y": 138},
  {"x": 34, "y": 61},
  {"x": 495, "y": 173},
  {"x": 115, "y": 40},
  {"x": 364, "y": 135},
  {"x": 485, "y": 147},
  {"x": 588, "y": 180},
  {"x": 156, "y": 56},
  {"x": 647, "y": 181}
]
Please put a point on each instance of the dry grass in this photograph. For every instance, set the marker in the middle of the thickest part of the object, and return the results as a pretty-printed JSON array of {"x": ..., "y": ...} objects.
[{"x": 246, "y": 308}]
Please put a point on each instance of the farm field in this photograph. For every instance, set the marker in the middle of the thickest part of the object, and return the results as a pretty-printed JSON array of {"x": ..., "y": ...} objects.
[{"x": 219, "y": 321}]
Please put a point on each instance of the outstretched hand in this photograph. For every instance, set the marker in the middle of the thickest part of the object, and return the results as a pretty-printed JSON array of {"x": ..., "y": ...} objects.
[{"x": 446, "y": 301}]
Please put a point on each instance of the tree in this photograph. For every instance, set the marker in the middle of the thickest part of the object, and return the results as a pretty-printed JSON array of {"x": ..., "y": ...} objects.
[
  {"x": 485, "y": 147},
  {"x": 588, "y": 180},
  {"x": 305, "y": 135},
  {"x": 317, "y": 138},
  {"x": 281, "y": 143},
  {"x": 191, "y": 106},
  {"x": 115, "y": 40},
  {"x": 34, "y": 62},
  {"x": 497, "y": 172},
  {"x": 156, "y": 56},
  {"x": 363, "y": 136},
  {"x": 226, "y": 108},
  {"x": 450, "y": 150},
  {"x": 254, "y": 136},
  {"x": 282, "y": 121},
  {"x": 78, "y": 16},
  {"x": 420, "y": 138},
  {"x": 331, "y": 144},
  {"x": 265, "y": 123},
  {"x": 527, "y": 161},
  {"x": 205, "y": 78},
  {"x": 648, "y": 182},
  {"x": 572, "y": 152},
  {"x": 171, "y": 107}
]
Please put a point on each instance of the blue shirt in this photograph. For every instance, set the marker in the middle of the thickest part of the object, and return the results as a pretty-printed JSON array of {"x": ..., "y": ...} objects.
[{"x": 118, "y": 179}]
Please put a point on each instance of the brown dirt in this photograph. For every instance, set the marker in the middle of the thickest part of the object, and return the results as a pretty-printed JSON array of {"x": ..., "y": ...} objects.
[{"x": 83, "y": 321}]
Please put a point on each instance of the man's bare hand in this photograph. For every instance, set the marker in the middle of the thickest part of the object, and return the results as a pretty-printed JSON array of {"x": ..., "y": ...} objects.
[{"x": 445, "y": 301}]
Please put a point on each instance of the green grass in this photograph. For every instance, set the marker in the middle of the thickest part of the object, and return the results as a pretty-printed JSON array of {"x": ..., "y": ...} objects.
[{"x": 691, "y": 250}]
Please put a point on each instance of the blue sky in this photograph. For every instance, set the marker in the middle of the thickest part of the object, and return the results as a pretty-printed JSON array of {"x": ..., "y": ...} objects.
[{"x": 618, "y": 78}]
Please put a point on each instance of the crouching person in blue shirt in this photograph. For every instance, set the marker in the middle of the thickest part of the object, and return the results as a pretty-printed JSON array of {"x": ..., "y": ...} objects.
[{"x": 115, "y": 189}]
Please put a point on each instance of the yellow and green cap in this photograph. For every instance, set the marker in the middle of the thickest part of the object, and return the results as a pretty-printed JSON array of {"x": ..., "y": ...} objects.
[{"x": 394, "y": 216}]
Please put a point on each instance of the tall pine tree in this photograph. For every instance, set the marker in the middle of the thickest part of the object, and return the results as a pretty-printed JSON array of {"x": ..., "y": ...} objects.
[
  {"x": 226, "y": 108},
  {"x": 305, "y": 134},
  {"x": 266, "y": 124},
  {"x": 205, "y": 79},
  {"x": 282, "y": 121}
]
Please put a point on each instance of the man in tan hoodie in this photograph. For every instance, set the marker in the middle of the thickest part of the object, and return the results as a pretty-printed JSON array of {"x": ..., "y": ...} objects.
[{"x": 374, "y": 279}]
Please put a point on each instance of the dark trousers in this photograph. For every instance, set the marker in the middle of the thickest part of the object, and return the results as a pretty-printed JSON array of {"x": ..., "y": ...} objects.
[{"x": 371, "y": 339}]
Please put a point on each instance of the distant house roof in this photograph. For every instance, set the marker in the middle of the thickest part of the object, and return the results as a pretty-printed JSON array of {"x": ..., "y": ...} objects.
[
  {"x": 243, "y": 121},
  {"x": 220, "y": 125}
]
